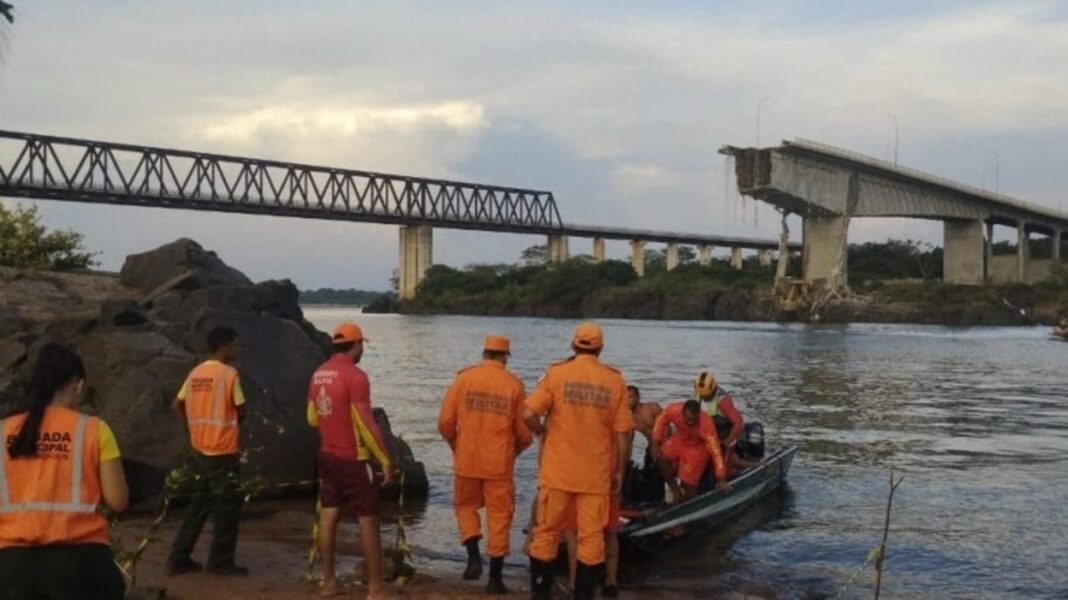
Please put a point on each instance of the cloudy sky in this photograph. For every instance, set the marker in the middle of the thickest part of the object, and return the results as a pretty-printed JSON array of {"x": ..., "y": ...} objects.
[{"x": 617, "y": 107}]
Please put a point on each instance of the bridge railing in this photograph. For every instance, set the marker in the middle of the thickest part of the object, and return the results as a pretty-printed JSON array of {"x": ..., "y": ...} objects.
[{"x": 37, "y": 166}]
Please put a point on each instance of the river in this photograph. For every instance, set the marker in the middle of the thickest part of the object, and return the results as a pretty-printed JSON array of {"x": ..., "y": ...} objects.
[{"x": 975, "y": 420}]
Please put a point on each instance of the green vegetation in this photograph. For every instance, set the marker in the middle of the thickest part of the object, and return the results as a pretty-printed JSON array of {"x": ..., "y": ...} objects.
[
  {"x": 900, "y": 282},
  {"x": 349, "y": 297},
  {"x": 26, "y": 244},
  {"x": 580, "y": 287}
]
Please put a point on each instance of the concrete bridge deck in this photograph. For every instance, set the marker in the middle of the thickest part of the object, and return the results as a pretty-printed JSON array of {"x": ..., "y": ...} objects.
[{"x": 828, "y": 186}]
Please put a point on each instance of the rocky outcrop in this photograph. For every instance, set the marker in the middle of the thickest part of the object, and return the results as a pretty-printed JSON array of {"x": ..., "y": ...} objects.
[{"x": 141, "y": 332}]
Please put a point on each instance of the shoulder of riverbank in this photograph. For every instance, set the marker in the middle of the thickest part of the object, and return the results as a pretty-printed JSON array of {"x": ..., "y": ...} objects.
[{"x": 747, "y": 298}]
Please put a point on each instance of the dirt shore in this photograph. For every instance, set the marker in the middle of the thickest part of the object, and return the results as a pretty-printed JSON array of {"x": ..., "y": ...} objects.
[{"x": 274, "y": 544}]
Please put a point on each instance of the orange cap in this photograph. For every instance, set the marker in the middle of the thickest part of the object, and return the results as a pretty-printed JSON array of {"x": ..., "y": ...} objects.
[
  {"x": 348, "y": 332},
  {"x": 497, "y": 343},
  {"x": 587, "y": 336}
]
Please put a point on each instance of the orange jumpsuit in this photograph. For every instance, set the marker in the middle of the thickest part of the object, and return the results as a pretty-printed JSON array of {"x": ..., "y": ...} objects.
[
  {"x": 689, "y": 447},
  {"x": 586, "y": 402},
  {"x": 482, "y": 420}
]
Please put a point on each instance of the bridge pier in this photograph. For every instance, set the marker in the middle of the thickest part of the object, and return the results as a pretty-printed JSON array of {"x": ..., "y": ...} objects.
[
  {"x": 1023, "y": 251},
  {"x": 1057, "y": 241},
  {"x": 736, "y": 258},
  {"x": 557, "y": 249},
  {"x": 765, "y": 258},
  {"x": 704, "y": 255},
  {"x": 416, "y": 256},
  {"x": 989, "y": 250},
  {"x": 963, "y": 252},
  {"x": 672, "y": 256},
  {"x": 823, "y": 238},
  {"x": 598, "y": 250},
  {"x": 637, "y": 256}
]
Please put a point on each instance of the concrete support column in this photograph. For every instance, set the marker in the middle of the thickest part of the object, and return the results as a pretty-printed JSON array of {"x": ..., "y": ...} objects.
[
  {"x": 765, "y": 258},
  {"x": 1057, "y": 241},
  {"x": 823, "y": 238},
  {"x": 416, "y": 256},
  {"x": 637, "y": 256},
  {"x": 598, "y": 250},
  {"x": 1023, "y": 251},
  {"x": 704, "y": 255},
  {"x": 557, "y": 250},
  {"x": 989, "y": 271},
  {"x": 672, "y": 256},
  {"x": 962, "y": 256},
  {"x": 736, "y": 258}
]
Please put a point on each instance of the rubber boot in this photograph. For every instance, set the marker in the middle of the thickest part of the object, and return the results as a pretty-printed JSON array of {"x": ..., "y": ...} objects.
[
  {"x": 541, "y": 579},
  {"x": 496, "y": 586},
  {"x": 474, "y": 560},
  {"x": 586, "y": 577}
]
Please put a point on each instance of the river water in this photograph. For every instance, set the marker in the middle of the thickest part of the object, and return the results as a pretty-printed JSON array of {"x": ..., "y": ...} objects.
[{"x": 975, "y": 419}]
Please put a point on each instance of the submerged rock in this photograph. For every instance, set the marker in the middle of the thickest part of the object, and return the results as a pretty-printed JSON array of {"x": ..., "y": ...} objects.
[{"x": 142, "y": 332}]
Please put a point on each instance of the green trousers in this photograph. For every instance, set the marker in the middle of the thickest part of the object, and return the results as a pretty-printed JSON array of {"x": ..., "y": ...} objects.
[
  {"x": 215, "y": 493},
  {"x": 60, "y": 572}
]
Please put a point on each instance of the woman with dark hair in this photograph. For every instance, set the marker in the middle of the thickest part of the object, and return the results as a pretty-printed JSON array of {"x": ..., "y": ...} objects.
[{"x": 56, "y": 468}]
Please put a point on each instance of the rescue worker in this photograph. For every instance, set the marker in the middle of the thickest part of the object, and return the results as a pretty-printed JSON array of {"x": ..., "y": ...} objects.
[
  {"x": 585, "y": 454},
  {"x": 339, "y": 405},
  {"x": 212, "y": 404},
  {"x": 644, "y": 415},
  {"x": 725, "y": 416},
  {"x": 56, "y": 467},
  {"x": 720, "y": 407},
  {"x": 481, "y": 418},
  {"x": 685, "y": 452}
]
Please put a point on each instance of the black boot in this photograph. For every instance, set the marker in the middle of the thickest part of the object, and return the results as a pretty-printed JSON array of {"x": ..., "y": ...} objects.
[
  {"x": 541, "y": 580},
  {"x": 474, "y": 560},
  {"x": 496, "y": 585},
  {"x": 586, "y": 578}
]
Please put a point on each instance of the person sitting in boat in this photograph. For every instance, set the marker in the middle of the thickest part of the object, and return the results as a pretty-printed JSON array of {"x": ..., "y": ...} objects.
[
  {"x": 684, "y": 439},
  {"x": 719, "y": 406},
  {"x": 644, "y": 413}
]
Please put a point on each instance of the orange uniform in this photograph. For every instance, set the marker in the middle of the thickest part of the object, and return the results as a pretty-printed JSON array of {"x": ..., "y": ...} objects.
[
  {"x": 52, "y": 498},
  {"x": 212, "y": 393},
  {"x": 482, "y": 420},
  {"x": 689, "y": 447},
  {"x": 586, "y": 401}
]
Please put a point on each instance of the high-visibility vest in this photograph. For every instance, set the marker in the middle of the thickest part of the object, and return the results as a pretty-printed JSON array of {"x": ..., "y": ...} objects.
[
  {"x": 52, "y": 498},
  {"x": 209, "y": 407}
]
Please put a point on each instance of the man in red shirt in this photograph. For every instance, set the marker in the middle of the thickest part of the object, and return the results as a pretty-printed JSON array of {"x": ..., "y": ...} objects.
[
  {"x": 725, "y": 416},
  {"x": 684, "y": 439},
  {"x": 339, "y": 405}
]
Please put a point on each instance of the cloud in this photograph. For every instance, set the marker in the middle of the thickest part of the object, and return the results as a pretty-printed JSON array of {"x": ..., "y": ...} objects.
[{"x": 618, "y": 108}]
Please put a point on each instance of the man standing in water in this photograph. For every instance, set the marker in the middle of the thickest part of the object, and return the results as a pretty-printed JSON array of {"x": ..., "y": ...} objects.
[
  {"x": 482, "y": 420},
  {"x": 212, "y": 404},
  {"x": 585, "y": 454},
  {"x": 339, "y": 405}
]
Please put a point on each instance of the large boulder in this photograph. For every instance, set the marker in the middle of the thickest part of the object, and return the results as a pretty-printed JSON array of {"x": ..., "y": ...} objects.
[
  {"x": 183, "y": 262},
  {"x": 141, "y": 341}
]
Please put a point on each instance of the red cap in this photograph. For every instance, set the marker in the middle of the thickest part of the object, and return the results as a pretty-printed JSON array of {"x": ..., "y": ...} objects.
[
  {"x": 348, "y": 332},
  {"x": 587, "y": 336}
]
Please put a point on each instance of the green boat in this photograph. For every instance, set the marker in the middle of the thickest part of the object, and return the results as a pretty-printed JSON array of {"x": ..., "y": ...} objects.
[{"x": 650, "y": 531}]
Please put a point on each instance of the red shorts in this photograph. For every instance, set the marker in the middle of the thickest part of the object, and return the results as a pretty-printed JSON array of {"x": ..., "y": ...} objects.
[
  {"x": 613, "y": 516},
  {"x": 349, "y": 485},
  {"x": 690, "y": 460}
]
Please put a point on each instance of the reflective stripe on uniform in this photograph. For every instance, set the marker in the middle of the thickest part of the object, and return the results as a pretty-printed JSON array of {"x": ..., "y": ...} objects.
[{"x": 75, "y": 480}]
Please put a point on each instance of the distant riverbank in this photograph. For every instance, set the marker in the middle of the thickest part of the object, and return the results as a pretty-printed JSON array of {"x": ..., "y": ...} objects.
[{"x": 579, "y": 289}]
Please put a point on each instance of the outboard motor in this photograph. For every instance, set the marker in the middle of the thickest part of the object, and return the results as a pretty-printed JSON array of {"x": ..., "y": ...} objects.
[{"x": 751, "y": 443}]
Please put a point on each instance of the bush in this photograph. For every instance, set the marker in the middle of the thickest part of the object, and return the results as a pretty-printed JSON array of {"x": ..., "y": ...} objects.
[{"x": 26, "y": 244}]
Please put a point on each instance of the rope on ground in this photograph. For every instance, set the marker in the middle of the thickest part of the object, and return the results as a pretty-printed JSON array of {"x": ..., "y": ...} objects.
[{"x": 403, "y": 564}]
